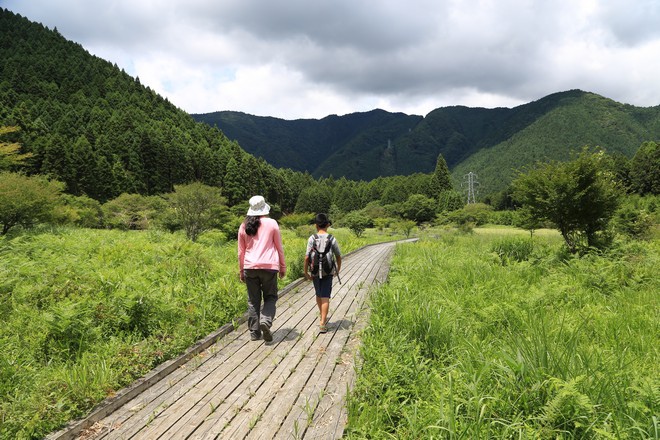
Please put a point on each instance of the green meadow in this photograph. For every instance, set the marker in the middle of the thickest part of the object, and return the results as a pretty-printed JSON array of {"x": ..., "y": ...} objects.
[
  {"x": 496, "y": 335},
  {"x": 85, "y": 312}
]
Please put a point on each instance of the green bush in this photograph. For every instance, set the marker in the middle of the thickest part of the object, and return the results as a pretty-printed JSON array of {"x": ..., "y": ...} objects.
[
  {"x": 304, "y": 231},
  {"x": 404, "y": 226},
  {"x": 506, "y": 218},
  {"x": 579, "y": 197},
  {"x": 419, "y": 208},
  {"x": 79, "y": 211},
  {"x": 475, "y": 213},
  {"x": 513, "y": 249},
  {"x": 133, "y": 211},
  {"x": 196, "y": 207},
  {"x": 633, "y": 222},
  {"x": 356, "y": 222},
  {"x": 25, "y": 201},
  {"x": 295, "y": 266},
  {"x": 292, "y": 221}
]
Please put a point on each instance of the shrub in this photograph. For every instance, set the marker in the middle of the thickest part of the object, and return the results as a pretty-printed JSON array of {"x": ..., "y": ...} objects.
[
  {"x": 405, "y": 227},
  {"x": 230, "y": 225},
  {"x": 513, "y": 249},
  {"x": 636, "y": 217},
  {"x": 25, "y": 200},
  {"x": 292, "y": 221},
  {"x": 506, "y": 218},
  {"x": 356, "y": 222},
  {"x": 80, "y": 211},
  {"x": 294, "y": 269},
  {"x": 132, "y": 211},
  {"x": 213, "y": 237},
  {"x": 419, "y": 208},
  {"x": 475, "y": 213},
  {"x": 579, "y": 196},
  {"x": 382, "y": 223},
  {"x": 374, "y": 210},
  {"x": 196, "y": 206},
  {"x": 304, "y": 231},
  {"x": 450, "y": 201}
]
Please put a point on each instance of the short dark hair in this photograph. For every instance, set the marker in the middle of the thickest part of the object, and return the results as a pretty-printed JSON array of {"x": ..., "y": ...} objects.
[{"x": 322, "y": 220}]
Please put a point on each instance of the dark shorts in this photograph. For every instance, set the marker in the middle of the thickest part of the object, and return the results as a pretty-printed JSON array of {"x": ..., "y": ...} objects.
[{"x": 323, "y": 286}]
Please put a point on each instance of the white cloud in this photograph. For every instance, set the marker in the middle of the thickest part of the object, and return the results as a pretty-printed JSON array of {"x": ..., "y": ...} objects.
[{"x": 300, "y": 59}]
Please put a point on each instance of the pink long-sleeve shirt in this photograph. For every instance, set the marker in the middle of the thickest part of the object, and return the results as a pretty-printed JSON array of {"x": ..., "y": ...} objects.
[{"x": 262, "y": 250}]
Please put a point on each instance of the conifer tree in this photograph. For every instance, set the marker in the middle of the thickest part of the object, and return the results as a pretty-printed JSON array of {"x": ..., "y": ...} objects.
[
  {"x": 233, "y": 186},
  {"x": 441, "y": 178}
]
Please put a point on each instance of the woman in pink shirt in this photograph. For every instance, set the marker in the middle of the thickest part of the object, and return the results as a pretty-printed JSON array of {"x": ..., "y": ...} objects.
[{"x": 260, "y": 259}]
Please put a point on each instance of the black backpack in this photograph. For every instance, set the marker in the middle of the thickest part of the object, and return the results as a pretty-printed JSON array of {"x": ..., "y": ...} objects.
[{"x": 321, "y": 259}]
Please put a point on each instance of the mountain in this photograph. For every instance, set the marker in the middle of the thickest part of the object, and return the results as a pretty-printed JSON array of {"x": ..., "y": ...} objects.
[
  {"x": 493, "y": 143},
  {"x": 321, "y": 147},
  {"x": 100, "y": 131}
]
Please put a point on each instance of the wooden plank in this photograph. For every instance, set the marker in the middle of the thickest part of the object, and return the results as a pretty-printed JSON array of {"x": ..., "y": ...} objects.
[
  {"x": 330, "y": 415},
  {"x": 237, "y": 388},
  {"x": 121, "y": 398},
  {"x": 230, "y": 355},
  {"x": 301, "y": 392},
  {"x": 230, "y": 425},
  {"x": 239, "y": 385}
]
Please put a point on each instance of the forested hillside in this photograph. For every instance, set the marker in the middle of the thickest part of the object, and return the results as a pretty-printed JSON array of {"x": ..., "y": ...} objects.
[
  {"x": 577, "y": 119},
  {"x": 489, "y": 142},
  {"x": 94, "y": 127},
  {"x": 334, "y": 145}
]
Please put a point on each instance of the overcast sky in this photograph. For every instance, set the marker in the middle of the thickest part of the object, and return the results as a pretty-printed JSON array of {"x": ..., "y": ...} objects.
[{"x": 308, "y": 59}]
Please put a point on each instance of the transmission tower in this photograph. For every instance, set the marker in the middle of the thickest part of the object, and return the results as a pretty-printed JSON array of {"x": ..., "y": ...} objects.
[{"x": 471, "y": 187}]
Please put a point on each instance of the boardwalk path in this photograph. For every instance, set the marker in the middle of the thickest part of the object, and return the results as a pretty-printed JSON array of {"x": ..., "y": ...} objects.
[{"x": 293, "y": 387}]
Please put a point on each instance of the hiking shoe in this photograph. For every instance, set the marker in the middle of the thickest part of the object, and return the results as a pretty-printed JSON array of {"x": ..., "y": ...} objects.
[
  {"x": 268, "y": 336},
  {"x": 255, "y": 336}
]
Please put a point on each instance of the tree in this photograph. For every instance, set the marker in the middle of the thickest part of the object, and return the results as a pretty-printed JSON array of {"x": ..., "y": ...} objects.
[
  {"x": 317, "y": 198},
  {"x": 450, "y": 200},
  {"x": 132, "y": 211},
  {"x": 356, "y": 222},
  {"x": 9, "y": 151},
  {"x": 405, "y": 226},
  {"x": 419, "y": 208},
  {"x": 196, "y": 206},
  {"x": 26, "y": 200},
  {"x": 235, "y": 182},
  {"x": 440, "y": 179},
  {"x": 645, "y": 169},
  {"x": 579, "y": 197}
]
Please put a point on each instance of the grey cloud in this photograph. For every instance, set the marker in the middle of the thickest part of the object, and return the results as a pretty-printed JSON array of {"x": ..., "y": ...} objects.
[
  {"x": 387, "y": 49},
  {"x": 370, "y": 26},
  {"x": 631, "y": 23}
]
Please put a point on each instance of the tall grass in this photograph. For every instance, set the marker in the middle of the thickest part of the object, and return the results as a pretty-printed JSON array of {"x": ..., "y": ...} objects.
[
  {"x": 86, "y": 312},
  {"x": 546, "y": 346}
]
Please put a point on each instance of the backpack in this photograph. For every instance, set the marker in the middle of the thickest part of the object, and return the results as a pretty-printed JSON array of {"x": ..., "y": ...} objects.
[{"x": 321, "y": 259}]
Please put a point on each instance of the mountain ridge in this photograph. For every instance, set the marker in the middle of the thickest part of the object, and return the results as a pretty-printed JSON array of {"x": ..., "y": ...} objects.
[{"x": 468, "y": 137}]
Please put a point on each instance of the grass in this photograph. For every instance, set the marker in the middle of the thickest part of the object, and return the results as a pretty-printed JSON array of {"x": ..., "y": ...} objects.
[
  {"x": 86, "y": 312},
  {"x": 462, "y": 345}
]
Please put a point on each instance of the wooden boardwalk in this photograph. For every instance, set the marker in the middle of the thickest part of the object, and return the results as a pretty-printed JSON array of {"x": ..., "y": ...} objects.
[{"x": 291, "y": 388}]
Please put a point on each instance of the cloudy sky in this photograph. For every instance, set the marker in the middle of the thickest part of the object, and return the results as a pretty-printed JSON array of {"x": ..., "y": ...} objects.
[{"x": 307, "y": 59}]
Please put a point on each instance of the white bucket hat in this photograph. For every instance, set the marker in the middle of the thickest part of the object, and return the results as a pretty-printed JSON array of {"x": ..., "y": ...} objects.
[{"x": 258, "y": 206}]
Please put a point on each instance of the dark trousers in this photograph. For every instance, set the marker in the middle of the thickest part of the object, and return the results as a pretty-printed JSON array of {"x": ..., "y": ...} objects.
[{"x": 261, "y": 287}]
